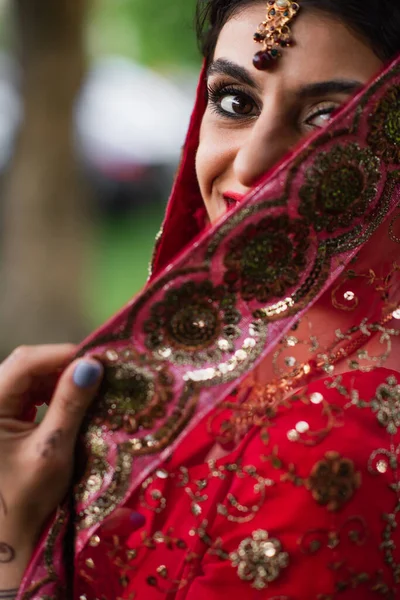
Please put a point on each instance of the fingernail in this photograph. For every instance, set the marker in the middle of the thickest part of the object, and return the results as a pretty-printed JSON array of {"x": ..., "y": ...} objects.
[
  {"x": 87, "y": 374},
  {"x": 122, "y": 522},
  {"x": 137, "y": 520}
]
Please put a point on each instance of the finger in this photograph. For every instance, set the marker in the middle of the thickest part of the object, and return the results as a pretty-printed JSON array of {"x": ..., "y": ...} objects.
[
  {"x": 121, "y": 521},
  {"x": 19, "y": 372},
  {"x": 75, "y": 391}
]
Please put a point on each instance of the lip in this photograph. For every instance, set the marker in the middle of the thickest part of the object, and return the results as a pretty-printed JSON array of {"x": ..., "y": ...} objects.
[{"x": 232, "y": 199}]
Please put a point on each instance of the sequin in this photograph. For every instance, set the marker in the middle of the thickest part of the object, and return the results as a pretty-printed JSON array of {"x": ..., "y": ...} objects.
[
  {"x": 339, "y": 187},
  {"x": 302, "y": 427},
  {"x": 290, "y": 361},
  {"x": 293, "y": 435},
  {"x": 267, "y": 258},
  {"x": 137, "y": 394},
  {"x": 349, "y": 296},
  {"x": 382, "y": 466},
  {"x": 384, "y": 123},
  {"x": 94, "y": 541},
  {"x": 194, "y": 323},
  {"x": 259, "y": 559},
  {"x": 316, "y": 398},
  {"x": 387, "y": 405}
]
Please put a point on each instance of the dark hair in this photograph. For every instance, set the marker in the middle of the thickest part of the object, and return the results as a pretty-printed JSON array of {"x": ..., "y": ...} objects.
[{"x": 377, "y": 21}]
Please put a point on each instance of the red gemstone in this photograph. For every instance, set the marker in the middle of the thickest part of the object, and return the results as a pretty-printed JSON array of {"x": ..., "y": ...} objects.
[{"x": 262, "y": 60}]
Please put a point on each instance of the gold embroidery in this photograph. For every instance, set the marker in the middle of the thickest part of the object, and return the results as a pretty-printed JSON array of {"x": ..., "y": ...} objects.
[
  {"x": 340, "y": 188},
  {"x": 387, "y": 405},
  {"x": 267, "y": 258},
  {"x": 194, "y": 324},
  {"x": 384, "y": 136},
  {"x": 259, "y": 559},
  {"x": 49, "y": 556}
]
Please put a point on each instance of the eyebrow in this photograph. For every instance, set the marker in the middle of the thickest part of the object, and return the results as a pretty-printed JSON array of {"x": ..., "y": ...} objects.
[
  {"x": 226, "y": 67},
  {"x": 334, "y": 86},
  {"x": 222, "y": 66}
]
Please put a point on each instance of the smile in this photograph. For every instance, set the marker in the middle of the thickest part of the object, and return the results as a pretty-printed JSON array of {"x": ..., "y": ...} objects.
[{"x": 232, "y": 199}]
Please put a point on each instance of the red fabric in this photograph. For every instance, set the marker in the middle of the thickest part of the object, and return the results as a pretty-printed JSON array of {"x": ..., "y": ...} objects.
[
  {"x": 289, "y": 513},
  {"x": 176, "y": 555},
  {"x": 185, "y": 216}
]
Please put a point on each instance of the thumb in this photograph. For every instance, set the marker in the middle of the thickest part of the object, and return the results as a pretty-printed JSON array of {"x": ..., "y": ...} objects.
[{"x": 74, "y": 393}]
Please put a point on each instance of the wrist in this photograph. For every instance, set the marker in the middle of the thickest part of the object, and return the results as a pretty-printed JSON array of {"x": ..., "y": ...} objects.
[{"x": 14, "y": 560}]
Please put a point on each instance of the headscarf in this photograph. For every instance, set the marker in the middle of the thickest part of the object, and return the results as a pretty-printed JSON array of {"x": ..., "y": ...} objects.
[{"x": 310, "y": 259}]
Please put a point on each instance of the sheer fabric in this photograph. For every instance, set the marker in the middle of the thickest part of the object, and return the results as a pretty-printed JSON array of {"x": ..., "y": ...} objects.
[{"x": 251, "y": 403}]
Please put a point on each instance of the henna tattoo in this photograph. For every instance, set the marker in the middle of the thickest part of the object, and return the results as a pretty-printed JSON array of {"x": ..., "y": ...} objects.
[
  {"x": 51, "y": 444},
  {"x": 8, "y": 594},
  {"x": 7, "y": 554},
  {"x": 3, "y": 506}
]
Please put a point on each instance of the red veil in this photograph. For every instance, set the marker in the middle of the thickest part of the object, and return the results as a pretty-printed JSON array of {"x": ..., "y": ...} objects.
[{"x": 307, "y": 266}]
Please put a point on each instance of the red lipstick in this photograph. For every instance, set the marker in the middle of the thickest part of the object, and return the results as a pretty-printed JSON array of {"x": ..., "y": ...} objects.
[{"x": 232, "y": 199}]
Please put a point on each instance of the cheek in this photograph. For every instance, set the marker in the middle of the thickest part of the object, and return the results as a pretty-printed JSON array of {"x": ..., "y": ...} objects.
[
  {"x": 205, "y": 160},
  {"x": 214, "y": 158}
]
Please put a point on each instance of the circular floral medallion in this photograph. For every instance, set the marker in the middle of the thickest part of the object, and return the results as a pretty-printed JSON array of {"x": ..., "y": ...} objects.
[
  {"x": 339, "y": 187},
  {"x": 267, "y": 259},
  {"x": 133, "y": 396},
  {"x": 386, "y": 405},
  {"x": 193, "y": 324},
  {"x": 384, "y": 123},
  {"x": 333, "y": 481},
  {"x": 259, "y": 559}
]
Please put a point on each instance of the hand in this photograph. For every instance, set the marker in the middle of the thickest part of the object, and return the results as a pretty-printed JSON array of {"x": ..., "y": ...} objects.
[{"x": 37, "y": 460}]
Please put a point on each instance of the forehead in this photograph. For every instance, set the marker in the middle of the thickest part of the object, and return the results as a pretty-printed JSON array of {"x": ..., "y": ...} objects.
[{"x": 324, "y": 47}]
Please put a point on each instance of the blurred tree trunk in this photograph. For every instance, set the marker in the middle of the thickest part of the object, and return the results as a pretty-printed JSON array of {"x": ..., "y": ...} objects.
[{"x": 44, "y": 209}]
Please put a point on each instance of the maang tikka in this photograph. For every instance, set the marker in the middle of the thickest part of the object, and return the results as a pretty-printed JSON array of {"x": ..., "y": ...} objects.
[{"x": 274, "y": 33}]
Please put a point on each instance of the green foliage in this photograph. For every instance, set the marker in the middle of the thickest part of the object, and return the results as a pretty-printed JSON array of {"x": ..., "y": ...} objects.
[
  {"x": 121, "y": 256},
  {"x": 154, "y": 32}
]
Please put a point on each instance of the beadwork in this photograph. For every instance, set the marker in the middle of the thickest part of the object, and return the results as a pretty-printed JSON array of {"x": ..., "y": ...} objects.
[
  {"x": 384, "y": 136},
  {"x": 339, "y": 188},
  {"x": 194, "y": 324},
  {"x": 259, "y": 559},
  {"x": 266, "y": 260},
  {"x": 274, "y": 32}
]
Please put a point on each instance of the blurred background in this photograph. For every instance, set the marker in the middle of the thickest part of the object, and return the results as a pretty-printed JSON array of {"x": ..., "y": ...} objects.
[{"x": 95, "y": 99}]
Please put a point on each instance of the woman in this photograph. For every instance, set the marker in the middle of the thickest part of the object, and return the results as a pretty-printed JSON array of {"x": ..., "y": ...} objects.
[{"x": 245, "y": 438}]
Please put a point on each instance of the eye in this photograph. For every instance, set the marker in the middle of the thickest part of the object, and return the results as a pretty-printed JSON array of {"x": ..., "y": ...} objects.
[
  {"x": 238, "y": 104},
  {"x": 321, "y": 116},
  {"x": 231, "y": 102}
]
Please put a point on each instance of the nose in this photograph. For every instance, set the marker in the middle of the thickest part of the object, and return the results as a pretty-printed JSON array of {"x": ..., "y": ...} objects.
[{"x": 263, "y": 147}]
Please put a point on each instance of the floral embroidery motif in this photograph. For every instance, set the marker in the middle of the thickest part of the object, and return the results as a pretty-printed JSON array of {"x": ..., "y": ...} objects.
[
  {"x": 136, "y": 395},
  {"x": 333, "y": 481},
  {"x": 267, "y": 259},
  {"x": 384, "y": 136},
  {"x": 259, "y": 559},
  {"x": 339, "y": 187},
  {"x": 387, "y": 405},
  {"x": 193, "y": 324}
]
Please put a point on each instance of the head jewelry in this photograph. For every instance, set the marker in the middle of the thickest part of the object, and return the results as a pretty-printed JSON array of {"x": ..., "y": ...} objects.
[{"x": 274, "y": 32}]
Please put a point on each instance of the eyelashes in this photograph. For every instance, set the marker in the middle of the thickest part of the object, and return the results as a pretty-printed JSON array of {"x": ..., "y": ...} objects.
[
  {"x": 230, "y": 102},
  {"x": 219, "y": 91}
]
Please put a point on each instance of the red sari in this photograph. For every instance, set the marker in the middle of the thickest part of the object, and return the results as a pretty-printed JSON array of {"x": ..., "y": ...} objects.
[{"x": 251, "y": 405}]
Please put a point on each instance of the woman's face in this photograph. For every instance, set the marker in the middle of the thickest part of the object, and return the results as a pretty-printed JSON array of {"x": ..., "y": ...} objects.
[{"x": 254, "y": 117}]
